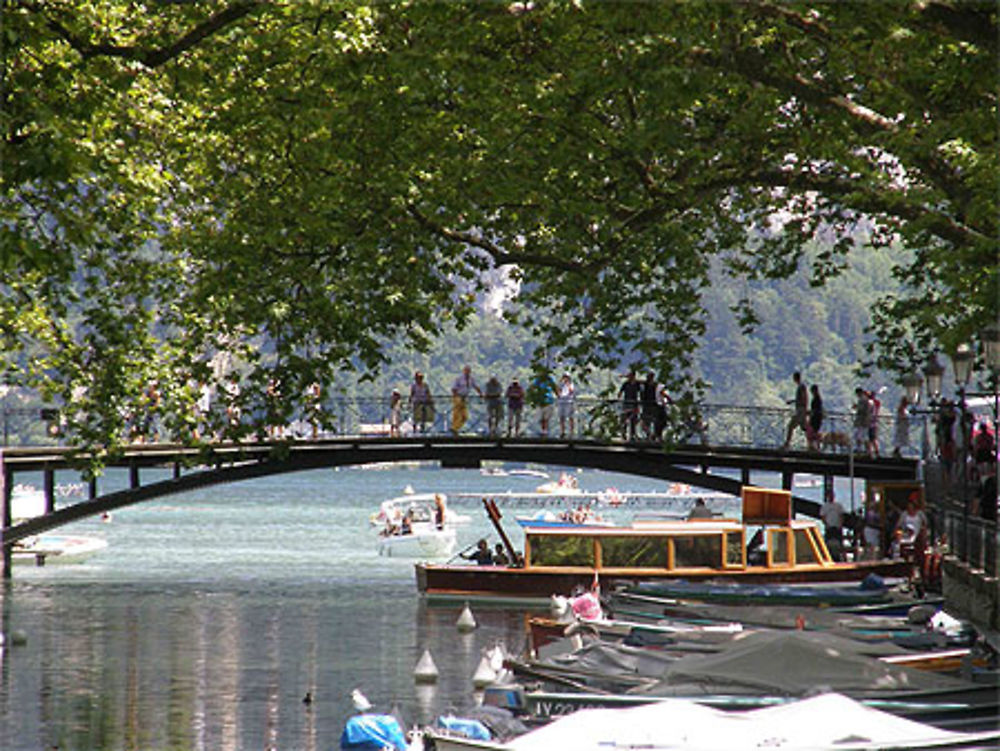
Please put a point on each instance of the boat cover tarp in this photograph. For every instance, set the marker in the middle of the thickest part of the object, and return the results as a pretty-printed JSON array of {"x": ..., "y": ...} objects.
[
  {"x": 372, "y": 732},
  {"x": 599, "y": 665},
  {"x": 499, "y": 721},
  {"x": 829, "y": 721},
  {"x": 464, "y": 726},
  {"x": 771, "y": 616},
  {"x": 792, "y": 663},
  {"x": 866, "y": 593}
]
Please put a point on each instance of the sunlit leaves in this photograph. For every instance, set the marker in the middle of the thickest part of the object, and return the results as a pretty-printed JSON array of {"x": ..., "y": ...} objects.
[{"x": 307, "y": 181}]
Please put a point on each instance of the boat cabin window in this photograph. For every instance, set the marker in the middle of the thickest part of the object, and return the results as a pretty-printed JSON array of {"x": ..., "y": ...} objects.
[
  {"x": 778, "y": 548},
  {"x": 697, "y": 551},
  {"x": 804, "y": 550},
  {"x": 561, "y": 550},
  {"x": 734, "y": 550},
  {"x": 633, "y": 552}
]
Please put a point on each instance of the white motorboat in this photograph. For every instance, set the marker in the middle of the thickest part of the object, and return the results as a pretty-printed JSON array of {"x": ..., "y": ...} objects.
[
  {"x": 423, "y": 541},
  {"x": 565, "y": 485},
  {"x": 28, "y": 502},
  {"x": 46, "y": 549},
  {"x": 421, "y": 507},
  {"x": 827, "y": 722}
]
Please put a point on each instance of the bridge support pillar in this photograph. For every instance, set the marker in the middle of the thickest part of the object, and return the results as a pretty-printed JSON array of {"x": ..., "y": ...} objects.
[
  {"x": 787, "y": 478},
  {"x": 745, "y": 476},
  {"x": 133, "y": 476}
]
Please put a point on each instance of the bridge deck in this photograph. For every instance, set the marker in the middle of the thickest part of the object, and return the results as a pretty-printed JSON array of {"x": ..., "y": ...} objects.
[{"x": 230, "y": 462}]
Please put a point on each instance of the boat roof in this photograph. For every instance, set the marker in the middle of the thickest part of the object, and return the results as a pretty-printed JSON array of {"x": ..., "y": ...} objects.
[
  {"x": 641, "y": 527},
  {"x": 410, "y": 498}
]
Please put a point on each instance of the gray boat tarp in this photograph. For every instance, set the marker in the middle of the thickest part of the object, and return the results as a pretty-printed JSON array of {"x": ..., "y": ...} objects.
[
  {"x": 775, "y": 663},
  {"x": 792, "y": 663}
]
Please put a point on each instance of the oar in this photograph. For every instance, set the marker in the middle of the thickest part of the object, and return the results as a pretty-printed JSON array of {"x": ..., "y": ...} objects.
[{"x": 463, "y": 550}]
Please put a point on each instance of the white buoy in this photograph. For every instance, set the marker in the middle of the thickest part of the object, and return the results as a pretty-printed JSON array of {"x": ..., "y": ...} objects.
[
  {"x": 425, "y": 671},
  {"x": 466, "y": 621},
  {"x": 496, "y": 658},
  {"x": 484, "y": 674}
]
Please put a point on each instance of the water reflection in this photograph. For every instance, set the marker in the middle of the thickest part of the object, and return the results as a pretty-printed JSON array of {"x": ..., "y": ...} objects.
[
  {"x": 211, "y": 615},
  {"x": 135, "y": 667}
]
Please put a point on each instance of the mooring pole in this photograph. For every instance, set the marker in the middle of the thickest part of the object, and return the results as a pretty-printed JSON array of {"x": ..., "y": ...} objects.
[
  {"x": 6, "y": 489},
  {"x": 494, "y": 513}
]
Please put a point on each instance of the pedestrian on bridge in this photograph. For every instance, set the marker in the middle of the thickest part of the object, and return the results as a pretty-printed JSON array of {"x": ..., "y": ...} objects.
[
  {"x": 460, "y": 390},
  {"x": 515, "y": 406},
  {"x": 566, "y": 399},
  {"x": 630, "y": 393},
  {"x": 421, "y": 402},
  {"x": 649, "y": 406},
  {"x": 543, "y": 396},
  {"x": 815, "y": 419},
  {"x": 494, "y": 405},
  {"x": 862, "y": 419},
  {"x": 801, "y": 403}
]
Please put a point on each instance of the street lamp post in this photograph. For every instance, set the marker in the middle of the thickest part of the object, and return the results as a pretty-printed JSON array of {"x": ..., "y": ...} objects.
[
  {"x": 990, "y": 337},
  {"x": 962, "y": 360}
]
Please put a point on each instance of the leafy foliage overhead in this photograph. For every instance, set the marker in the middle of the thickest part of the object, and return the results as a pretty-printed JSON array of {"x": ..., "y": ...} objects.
[{"x": 266, "y": 193}]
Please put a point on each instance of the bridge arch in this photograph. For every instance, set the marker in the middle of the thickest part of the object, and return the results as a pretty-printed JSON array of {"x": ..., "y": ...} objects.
[{"x": 226, "y": 463}]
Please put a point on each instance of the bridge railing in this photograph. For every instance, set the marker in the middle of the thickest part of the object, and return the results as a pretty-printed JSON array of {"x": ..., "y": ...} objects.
[
  {"x": 590, "y": 417},
  {"x": 971, "y": 539}
]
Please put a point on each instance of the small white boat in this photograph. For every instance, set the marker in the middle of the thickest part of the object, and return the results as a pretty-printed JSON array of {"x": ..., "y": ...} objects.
[
  {"x": 565, "y": 485},
  {"x": 44, "y": 550},
  {"x": 424, "y": 541},
  {"x": 421, "y": 507},
  {"x": 828, "y": 722},
  {"x": 528, "y": 473},
  {"x": 26, "y": 502}
]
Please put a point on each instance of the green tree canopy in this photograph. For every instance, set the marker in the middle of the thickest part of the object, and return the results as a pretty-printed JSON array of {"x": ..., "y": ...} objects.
[{"x": 276, "y": 190}]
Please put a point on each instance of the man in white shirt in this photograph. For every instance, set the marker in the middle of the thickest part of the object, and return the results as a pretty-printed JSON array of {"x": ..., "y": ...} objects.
[{"x": 832, "y": 514}]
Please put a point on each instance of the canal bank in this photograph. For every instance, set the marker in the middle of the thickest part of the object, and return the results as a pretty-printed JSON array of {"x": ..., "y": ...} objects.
[{"x": 970, "y": 594}]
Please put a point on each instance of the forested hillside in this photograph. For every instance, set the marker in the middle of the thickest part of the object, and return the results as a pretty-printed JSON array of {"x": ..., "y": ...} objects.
[{"x": 818, "y": 330}]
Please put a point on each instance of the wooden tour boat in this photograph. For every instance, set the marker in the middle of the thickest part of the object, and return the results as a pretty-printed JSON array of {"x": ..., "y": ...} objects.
[{"x": 558, "y": 559}]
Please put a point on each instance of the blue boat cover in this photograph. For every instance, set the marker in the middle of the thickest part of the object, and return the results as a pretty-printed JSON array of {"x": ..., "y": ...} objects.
[
  {"x": 372, "y": 732},
  {"x": 473, "y": 729}
]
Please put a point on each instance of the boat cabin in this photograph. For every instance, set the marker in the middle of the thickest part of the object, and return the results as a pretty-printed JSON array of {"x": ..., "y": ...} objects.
[{"x": 695, "y": 544}]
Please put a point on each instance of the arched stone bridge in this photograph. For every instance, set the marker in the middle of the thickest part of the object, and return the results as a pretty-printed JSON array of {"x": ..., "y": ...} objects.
[{"x": 232, "y": 462}]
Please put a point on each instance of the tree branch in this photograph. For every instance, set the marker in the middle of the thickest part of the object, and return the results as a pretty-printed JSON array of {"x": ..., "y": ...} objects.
[
  {"x": 970, "y": 21},
  {"x": 156, "y": 57},
  {"x": 500, "y": 256}
]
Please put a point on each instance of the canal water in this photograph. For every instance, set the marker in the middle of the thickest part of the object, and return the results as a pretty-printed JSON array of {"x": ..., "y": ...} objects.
[{"x": 210, "y": 616}]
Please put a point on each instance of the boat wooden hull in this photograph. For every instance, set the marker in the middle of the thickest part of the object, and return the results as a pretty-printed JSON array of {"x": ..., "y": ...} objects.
[{"x": 456, "y": 582}]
